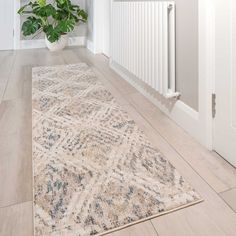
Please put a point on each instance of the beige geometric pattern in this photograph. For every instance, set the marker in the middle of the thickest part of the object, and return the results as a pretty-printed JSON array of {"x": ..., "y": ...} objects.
[{"x": 94, "y": 170}]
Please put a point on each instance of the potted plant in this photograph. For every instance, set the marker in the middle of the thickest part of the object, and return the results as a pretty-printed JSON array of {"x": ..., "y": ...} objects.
[{"x": 54, "y": 19}]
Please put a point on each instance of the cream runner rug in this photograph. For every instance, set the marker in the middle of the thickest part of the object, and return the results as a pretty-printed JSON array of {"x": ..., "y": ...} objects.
[{"x": 94, "y": 170}]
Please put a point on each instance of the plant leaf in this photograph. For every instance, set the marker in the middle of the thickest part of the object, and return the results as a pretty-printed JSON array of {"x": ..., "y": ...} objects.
[
  {"x": 52, "y": 34},
  {"x": 41, "y": 3},
  {"x": 60, "y": 15},
  {"x": 22, "y": 9},
  {"x": 64, "y": 26},
  {"x": 61, "y": 1},
  {"x": 82, "y": 14},
  {"x": 31, "y": 25},
  {"x": 45, "y": 11}
]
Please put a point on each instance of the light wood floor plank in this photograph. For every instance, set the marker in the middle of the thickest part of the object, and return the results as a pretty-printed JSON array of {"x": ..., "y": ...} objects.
[
  {"x": 142, "y": 229},
  {"x": 47, "y": 58},
  {"x": 70, "y": 57},
  {"x": 15, "y": 116},
  {"x": 15, "y": 152},
  {"x": 14, "y": 88},
  {"x": 7, "y": 59},
  {"x": 24, "y": 61},
  {"x": 15, "y": 170},
  {"x": 230, "y": 198},
  {"x": 16, "y": 220},
  {"x": 2, "y": 90}
]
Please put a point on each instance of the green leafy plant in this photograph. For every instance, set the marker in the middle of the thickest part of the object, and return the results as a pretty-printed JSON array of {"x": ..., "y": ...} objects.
[{"x": 54, "y": 19}]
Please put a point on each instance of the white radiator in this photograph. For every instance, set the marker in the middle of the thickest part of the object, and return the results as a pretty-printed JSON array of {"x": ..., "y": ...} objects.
[{"x": 143, "y": 42}]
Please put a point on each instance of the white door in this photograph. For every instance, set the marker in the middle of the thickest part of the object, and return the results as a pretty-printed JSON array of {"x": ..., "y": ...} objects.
[
  {"x": 224, "y": 140},
  {"x": 6, "y": 24}
]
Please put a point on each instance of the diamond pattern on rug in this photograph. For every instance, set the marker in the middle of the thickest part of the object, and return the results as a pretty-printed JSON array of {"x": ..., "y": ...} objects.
[{"x": 94, "y": 170}]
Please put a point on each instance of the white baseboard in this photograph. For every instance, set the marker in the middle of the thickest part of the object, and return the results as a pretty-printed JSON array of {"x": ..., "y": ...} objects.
[
  {"x": 40, "y": 43},
  {"x": 77, "y": 41},
  {"x": 30, "y": 44},
  {"x": 182, "y": 114},
  {"x": 90, "y": 46}
]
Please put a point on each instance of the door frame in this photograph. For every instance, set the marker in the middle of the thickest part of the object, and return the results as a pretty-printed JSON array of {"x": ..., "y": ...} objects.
[{"x": 206, "y": 68}]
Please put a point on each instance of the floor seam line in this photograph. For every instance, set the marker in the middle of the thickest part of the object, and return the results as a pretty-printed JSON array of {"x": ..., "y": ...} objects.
[
  {"x": 228, "y": 204},
  {"x": 227, "y": 190},
  {"x": 154, "y": 227},
  {"x": 19, "y": 203},
  {"x": 12, "y": 66}
]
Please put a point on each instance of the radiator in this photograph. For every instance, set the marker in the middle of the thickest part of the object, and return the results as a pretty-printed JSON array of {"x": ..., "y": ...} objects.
[{"x": 143, "y": 42}]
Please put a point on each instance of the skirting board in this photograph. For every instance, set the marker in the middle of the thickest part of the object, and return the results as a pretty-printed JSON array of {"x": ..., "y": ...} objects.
[
  {"x": 90, "y": 46},
  {"x": 182, "y": 114},
  {"x": 40, "y": 43}
]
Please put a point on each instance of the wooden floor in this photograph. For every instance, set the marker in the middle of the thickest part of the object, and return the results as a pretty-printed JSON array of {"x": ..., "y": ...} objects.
[{"x": 211, "y": 176}]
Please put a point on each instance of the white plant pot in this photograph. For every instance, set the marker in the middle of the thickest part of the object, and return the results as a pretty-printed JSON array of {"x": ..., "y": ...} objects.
[{"x": 58, "y": 45}]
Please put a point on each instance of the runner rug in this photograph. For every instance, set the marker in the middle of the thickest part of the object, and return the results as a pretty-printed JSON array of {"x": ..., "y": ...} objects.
[{"x": 95, "y": 171}]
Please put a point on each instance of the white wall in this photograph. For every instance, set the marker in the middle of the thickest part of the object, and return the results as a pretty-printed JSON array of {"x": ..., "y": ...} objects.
[
  {"x": 90, "y": 9},
  {"x": 6, "y": 24},
  {"x": 187, "y": 51}
]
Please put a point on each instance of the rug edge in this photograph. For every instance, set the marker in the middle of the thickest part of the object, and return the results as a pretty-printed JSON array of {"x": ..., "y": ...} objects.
[{"x": 150, "y": 217}]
